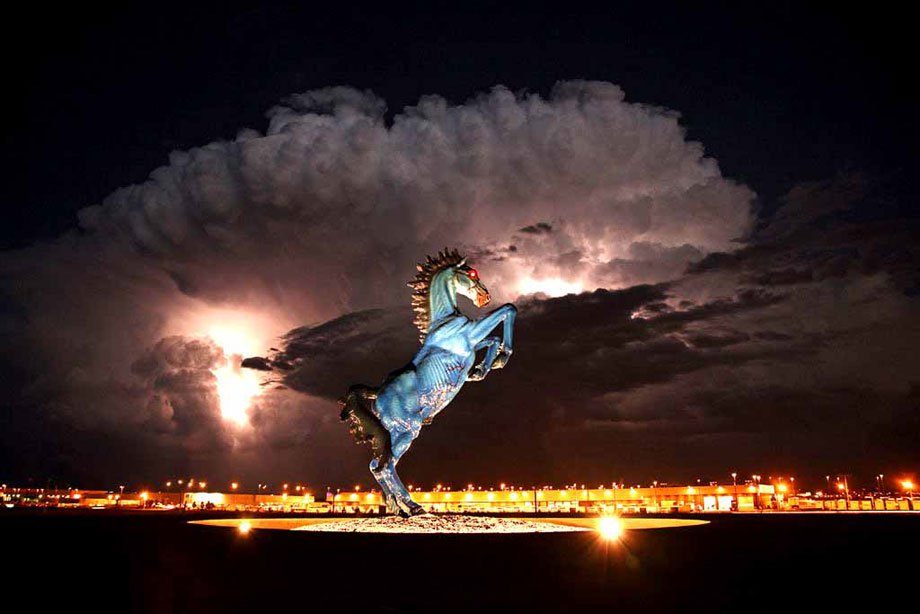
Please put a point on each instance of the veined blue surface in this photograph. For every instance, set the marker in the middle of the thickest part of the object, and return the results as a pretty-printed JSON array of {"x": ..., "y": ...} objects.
[{"x": 413, "y": 395}]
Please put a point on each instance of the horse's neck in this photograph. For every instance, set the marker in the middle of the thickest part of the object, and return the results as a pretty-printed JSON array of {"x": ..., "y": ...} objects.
[{"x": 442, "y": 298}]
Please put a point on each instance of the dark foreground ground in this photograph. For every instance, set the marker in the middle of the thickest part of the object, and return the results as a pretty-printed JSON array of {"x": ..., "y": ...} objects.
[{"x": 156, "y": 562}]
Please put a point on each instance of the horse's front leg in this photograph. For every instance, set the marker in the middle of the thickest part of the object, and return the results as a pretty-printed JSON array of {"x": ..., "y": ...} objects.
[
  {"x": 492, "y": 344},
  {"x": 481, "y": 328}
]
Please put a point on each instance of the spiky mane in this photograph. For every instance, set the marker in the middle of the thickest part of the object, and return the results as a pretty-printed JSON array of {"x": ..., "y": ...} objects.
[{"x": 421, "y": 285}]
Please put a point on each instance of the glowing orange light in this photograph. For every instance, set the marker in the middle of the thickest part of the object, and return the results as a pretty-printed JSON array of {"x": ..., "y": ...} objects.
[
  {"x": 610, "y": 528},
  {"x": 244, "y": 527},
  {"x": 234, "y": 485},
  {"x": 907, "y": 484},
  {"x": 840, "y": 486},
  {"x": 782, "y": 488}
]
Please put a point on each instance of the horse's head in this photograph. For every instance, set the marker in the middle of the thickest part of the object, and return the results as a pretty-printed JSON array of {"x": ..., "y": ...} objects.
[
  {"x": 470, "y": 286},
  {"x": 438, "y": 280}
]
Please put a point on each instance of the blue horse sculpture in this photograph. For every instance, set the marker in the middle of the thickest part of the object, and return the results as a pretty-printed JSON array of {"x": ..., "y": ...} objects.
[{"x": 390, "y": 417}]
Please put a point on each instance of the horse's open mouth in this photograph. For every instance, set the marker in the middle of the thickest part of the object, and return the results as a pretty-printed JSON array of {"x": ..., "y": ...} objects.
[{"x": 482, "y": 298}]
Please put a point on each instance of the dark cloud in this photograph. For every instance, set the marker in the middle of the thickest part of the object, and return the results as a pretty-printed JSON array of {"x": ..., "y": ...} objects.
[
  {"x": 537, "y": 229},
  {"x": 744, "y": 361},
  {"x": 710, "y": 330}
]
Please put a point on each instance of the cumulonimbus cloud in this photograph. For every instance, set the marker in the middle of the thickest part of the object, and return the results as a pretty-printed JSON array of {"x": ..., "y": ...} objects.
[{"x": 326, "y": 212}]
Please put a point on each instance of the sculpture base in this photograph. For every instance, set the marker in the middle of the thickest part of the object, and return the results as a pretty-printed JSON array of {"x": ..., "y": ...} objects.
[{"x": 446, "y": 524}]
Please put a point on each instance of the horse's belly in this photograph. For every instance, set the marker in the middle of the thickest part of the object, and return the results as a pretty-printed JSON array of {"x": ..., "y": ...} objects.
[{"x": 432, "y": 401}]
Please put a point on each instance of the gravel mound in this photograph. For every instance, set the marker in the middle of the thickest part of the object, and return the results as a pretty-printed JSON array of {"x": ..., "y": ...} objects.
[{"x": 431, "y": 523}]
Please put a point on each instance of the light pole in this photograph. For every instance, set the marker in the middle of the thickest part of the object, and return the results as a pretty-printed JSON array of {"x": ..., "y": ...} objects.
[
  {"x": 845, "y": 487},
  {"x": 735, "y": 488}
]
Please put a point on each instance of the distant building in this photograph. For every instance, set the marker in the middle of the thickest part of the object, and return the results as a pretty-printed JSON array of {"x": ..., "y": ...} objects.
[
  {"x": 710, "y": 498},
  {"x": 658, "y": 499}
]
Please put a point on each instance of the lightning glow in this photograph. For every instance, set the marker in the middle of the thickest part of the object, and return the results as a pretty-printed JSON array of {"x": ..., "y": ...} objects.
[
  {"x": 238, "y": 333},
  {"x": 550, "y": 286},
  {"x": 235, "y": 387}
]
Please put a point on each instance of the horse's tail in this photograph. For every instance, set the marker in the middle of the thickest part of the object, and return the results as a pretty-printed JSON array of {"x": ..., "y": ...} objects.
[{"x": 363, "y": 423}]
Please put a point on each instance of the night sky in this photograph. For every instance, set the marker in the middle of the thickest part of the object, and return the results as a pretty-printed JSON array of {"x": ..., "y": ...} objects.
[{"x": 706, "y": 217}]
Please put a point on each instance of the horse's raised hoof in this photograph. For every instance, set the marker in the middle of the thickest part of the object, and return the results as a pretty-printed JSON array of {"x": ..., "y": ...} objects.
[{"x": 502, "y": 359}]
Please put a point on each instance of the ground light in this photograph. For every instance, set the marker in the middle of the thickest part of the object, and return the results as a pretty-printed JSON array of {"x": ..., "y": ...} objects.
[
  {"x": 610, "y": 528},
  {"x": 244, "y": 527}
]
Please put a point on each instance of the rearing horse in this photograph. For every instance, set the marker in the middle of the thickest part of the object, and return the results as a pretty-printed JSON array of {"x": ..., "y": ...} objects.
[{"x": 390, "y": 417}]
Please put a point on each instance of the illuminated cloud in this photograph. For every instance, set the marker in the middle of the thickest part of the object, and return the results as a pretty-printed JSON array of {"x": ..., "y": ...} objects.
[{"x": 325, "y": 213}]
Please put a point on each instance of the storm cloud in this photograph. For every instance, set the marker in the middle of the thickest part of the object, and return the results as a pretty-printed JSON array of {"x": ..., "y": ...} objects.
[
  {"x": 731, "y": 363},
  {"x": 304, "y": 235}
]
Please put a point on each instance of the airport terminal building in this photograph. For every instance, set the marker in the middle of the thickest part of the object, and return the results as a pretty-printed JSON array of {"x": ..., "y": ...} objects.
[{"x": 659, "y": 498}]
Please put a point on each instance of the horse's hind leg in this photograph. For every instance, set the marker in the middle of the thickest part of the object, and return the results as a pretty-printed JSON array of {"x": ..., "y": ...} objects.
[
  {"x": 386, "y": 489},
  {"x": 391, "y": 484}
]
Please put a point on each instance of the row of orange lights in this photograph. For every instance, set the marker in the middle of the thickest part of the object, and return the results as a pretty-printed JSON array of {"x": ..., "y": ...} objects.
[
  {"x": 906, "y": 484},
  {"x": 233, "y": 485}
]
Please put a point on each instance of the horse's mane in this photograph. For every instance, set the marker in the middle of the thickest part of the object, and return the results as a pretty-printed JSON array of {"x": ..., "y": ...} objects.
[{"x": 421, "y": 285}]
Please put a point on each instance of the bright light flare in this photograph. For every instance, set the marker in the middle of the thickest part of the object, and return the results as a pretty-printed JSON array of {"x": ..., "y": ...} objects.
[
  {"x": 236, "y": 389},
  {"x": 610, "y": 528},
  {"x": 238, "y": 333},
  {"x": 550, "y": 286},
  {"x": 244, "y": 527}
]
